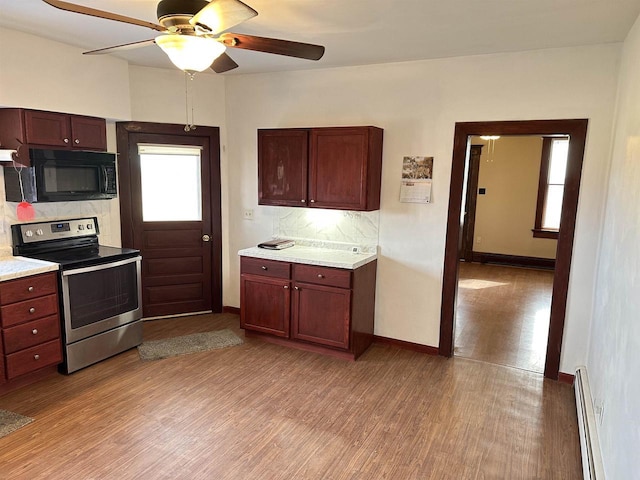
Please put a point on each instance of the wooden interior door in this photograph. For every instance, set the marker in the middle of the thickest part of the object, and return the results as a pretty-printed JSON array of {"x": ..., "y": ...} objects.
[{"x": 181, "y": 259}]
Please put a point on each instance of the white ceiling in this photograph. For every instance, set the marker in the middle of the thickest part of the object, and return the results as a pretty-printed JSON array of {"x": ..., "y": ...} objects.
[{"x": 354, "y": 32}]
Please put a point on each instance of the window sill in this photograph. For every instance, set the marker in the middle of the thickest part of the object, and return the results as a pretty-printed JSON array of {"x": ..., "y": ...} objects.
[{"x": 540, "y": 233}]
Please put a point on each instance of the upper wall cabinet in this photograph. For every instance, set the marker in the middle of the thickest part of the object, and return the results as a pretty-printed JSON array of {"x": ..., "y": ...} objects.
[
  {"x": 36, "y": 128},
  {"x": 336, "y": 167}
]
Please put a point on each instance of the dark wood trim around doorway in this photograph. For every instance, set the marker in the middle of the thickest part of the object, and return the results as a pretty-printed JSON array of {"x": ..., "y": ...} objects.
[
  {"x": 126, "y": 190},
  {"x": 576, "y": 129}
]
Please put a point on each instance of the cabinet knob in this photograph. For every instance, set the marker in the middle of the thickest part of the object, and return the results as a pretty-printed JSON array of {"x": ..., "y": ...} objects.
[
  {"x": 320, "y": 275},
  {"x": 286, "y": 287},
  {"x": 30, "y": 289},
  {"x": 36, "y": 357},
  {"x": 32, "y": 310},
  {"x": 76, "y": 141},
  {"x": 264, "y": 268},
  {"x": 312, "y": 201},
  {"x": 65, "y": 140},
  {"x": 34, "y": 331},
  {"x": 297, "y": 288},
  {"x": 303, "y": 201}
]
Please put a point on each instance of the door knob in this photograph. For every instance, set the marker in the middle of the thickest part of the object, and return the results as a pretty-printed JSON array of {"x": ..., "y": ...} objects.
[{"x": 206, "y": 238}]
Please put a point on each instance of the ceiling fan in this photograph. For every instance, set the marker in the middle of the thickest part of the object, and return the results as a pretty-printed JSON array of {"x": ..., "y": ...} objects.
[{"x": 192, "y": 33}]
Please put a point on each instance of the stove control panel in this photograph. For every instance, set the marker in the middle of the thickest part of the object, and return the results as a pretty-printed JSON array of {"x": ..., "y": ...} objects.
[{"x": 58, "y": 229}]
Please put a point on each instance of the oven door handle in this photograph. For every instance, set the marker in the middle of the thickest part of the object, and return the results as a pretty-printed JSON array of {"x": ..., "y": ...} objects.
[{"x": 102, "y": 266}]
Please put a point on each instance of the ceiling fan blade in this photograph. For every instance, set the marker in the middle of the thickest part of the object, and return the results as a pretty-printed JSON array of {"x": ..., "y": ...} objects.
[
  {"x": 223, "y": 63},
  {"x": 118, "y": 48},
  {"x": 220, "y": 15},
  {"x": 273, "y": 45},
  {"x": 72, "y": 7}
]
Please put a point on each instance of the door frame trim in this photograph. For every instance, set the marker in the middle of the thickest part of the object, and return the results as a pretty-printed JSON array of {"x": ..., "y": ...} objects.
[
  {"x": 576, "y": 129},
  {"x": 123, "y": 131}
]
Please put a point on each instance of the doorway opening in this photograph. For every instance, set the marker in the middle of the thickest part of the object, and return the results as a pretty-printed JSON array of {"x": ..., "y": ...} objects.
[{"x": 575, "y": 131}]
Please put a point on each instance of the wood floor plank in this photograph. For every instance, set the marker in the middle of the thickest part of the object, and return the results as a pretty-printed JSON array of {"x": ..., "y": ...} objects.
[
  {"x": 262, "y": 411},
  {"x": 503, "y": 315}
]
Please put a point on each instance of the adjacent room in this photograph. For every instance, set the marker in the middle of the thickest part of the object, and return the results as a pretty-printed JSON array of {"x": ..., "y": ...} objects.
[{"x": 312, "y": 240}]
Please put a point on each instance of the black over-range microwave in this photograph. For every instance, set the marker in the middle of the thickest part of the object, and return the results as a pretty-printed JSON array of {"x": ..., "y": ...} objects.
[{"x": 62, "y": 176}]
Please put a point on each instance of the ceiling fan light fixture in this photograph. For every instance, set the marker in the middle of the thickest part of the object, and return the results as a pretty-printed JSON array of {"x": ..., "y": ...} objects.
[{"x": 190, "y": 53}]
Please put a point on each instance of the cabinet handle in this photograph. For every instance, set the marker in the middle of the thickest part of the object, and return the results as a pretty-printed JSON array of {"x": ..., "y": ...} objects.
[
  {"x": 264, "y": 268},
  {"x": 65, "y": 140},
  {"x": 76, "y": 141},
  {"x": 303, "y": 201},
  {"x": 286, "y": 287},
  {"x": 32, "y": 310},
  {"x": 30, "y": 289},
  {"x": 320, "y": 275},
  {"x": 36, "y": 357},
  {"x": 34, "y": 331}
]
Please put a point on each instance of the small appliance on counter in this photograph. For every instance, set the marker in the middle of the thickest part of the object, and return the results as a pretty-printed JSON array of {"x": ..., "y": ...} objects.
[
  {"x": 277, "y": 244},
  {"x": 99, "y": 286}
]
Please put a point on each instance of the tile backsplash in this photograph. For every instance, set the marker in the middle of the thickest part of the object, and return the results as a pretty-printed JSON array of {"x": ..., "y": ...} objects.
[
  {"x": 327, "y": 228},
  {"x": 107, "y": 212}
]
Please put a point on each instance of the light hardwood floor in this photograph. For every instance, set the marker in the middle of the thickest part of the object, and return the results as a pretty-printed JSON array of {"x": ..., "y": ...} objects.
[
  {"x": 503, "y": 315},
  {"x": 262, "y": 411}
]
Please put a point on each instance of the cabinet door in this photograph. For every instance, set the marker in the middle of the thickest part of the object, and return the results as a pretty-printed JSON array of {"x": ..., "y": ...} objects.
[
  {"x": 338, "y": 168},
  {"x": 47, "y": 128},
  {"x": 282, "y": 167},
  {"x": 88, "y": 133},
  {"x": 3, "y": 378},
  {"x": 265, "y": 304},
  {"x": 321, "y": 314}
]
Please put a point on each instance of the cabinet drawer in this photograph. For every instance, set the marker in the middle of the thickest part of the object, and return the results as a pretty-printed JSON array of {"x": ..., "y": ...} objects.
[
  {"x": 21, "y": 312},
  {"x": 333, "y": 277},
  {"x": 268, "y": 268},
  {"x": 31, "y": 333},
  {"x": 33, "y": 358},
  {"x": 28, "y": 288}
]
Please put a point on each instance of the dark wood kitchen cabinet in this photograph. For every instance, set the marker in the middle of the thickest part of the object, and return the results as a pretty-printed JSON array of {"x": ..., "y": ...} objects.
[
  {"x": 265, "y": 296},
  {"x": 322, "y": 309},
  {"x": 41, "y": 129},
  {"x": 332, "y": 167},
  {"x": 30, "y": 326}
]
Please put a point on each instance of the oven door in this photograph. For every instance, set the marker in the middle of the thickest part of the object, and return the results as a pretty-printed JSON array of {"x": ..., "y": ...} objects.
[{"x": 101, "y": 297}]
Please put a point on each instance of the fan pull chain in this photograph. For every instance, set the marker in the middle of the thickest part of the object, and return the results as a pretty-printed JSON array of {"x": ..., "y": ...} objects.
[{"x": 188, "y": 92}]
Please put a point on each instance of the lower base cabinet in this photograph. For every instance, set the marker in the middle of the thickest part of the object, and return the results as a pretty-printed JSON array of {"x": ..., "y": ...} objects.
[
  {"x": 329, "y": 310},
  {"x": 30, "y": 344}
]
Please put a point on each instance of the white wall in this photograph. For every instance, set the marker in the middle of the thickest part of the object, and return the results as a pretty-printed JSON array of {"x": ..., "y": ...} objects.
[
  {"x": 417, "y": 104},
  {"x": 506, "y": 213},
  {"x": 44, "y": 75},
  {"x": 613, "y": 360}
]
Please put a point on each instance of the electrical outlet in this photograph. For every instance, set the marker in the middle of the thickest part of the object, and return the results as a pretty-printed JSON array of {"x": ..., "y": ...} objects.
[
  {"x": 248, "y": 214},
  {"x": 355, "y": 249},
  {"x": 478, "y": 239}
]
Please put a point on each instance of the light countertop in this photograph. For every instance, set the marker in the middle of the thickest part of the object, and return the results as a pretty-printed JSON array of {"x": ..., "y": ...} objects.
[
  {"x": 18, "y": 267},
  {"x": 312, "y": 256}
]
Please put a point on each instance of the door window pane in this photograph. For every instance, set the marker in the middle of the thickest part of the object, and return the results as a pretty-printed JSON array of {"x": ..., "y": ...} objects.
[{"x": 170, "y": 183}]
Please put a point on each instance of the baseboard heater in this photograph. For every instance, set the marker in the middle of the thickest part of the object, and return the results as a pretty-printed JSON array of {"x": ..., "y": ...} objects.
[{"x": 592, "y": 468}]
